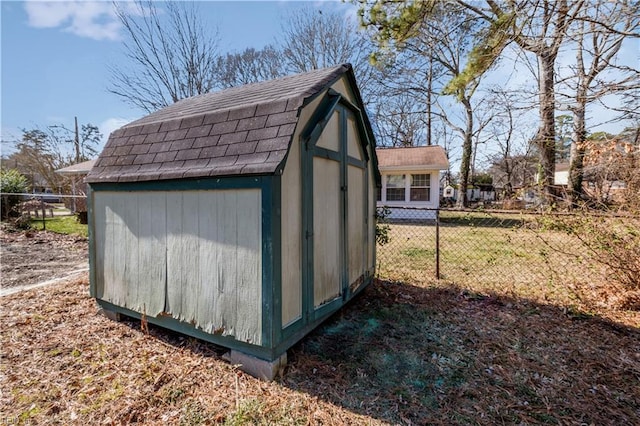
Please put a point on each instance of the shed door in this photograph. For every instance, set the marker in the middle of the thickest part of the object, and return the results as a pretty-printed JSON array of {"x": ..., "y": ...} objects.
[{"x": 337, "y": 228}]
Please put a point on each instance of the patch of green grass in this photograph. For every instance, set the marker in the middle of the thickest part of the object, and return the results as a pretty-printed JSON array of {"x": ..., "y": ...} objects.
[
  {"x": 253, "y": 412},
  {"x": 486, "y": 252},
  {"x": 249, "y": 411},
  {"x": 172, "y": 395},
  {"x": 33, "y": 411},
  {"x": 61, "y": 225},
  {"x": 417, "y": 252},
  {"x": 193, "y": 414}
]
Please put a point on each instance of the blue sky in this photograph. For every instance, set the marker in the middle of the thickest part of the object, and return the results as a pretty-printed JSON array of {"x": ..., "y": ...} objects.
[
  {"x": 54, "y": 58},
  {"x": 55, "y": 54}
]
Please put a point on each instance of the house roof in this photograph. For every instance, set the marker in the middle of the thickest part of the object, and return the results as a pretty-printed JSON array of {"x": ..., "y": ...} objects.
[
  {"x": 417, "y": 157},
  {"x": 77, "y": 169},
  {"x": 562, "y": 167},
  {"x": 239, "y": 131}
]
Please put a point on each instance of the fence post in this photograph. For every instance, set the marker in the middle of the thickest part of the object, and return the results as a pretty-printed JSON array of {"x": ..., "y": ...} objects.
[
  {"x": 44, "y": 214},
  {"x": 437, "y": 244}
]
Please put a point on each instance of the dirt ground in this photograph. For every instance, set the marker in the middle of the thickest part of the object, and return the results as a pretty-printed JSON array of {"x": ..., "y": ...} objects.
[
  {"x": 399, "y": 354},
  {"x": 36, "y": 256}
]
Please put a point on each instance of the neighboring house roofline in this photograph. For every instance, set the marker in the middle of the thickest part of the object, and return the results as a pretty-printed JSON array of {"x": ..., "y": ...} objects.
[
  {"x": 82, "y": 168},
  {"x": 412, "y": 168},
  {"x": 432, "y": 157}
]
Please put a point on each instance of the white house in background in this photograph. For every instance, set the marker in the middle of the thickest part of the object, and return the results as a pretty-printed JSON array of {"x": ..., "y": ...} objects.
[
  {"x": 411, "y": 178},
  {"x": 561, "y": 174}
]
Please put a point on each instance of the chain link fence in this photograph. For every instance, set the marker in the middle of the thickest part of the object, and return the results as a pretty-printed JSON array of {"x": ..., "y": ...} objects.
[
  {"x": 40, "y": 207},
  {"x": 492, "y": 249}
]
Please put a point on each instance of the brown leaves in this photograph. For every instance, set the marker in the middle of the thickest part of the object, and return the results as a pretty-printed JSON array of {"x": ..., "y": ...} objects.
[{"x": 400, "y": 354}]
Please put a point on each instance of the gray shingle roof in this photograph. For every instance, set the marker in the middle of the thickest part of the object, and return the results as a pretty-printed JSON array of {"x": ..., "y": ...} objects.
[
  {"x": 238, "y": 131},
  {"x": 427, "y": 157}
]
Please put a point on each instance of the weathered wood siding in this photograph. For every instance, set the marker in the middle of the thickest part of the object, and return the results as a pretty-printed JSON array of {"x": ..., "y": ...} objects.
[
  {"x": 355, "y": 226},
  {"x": 371, "y": 208},
  {"x": 291, "y": 216},
  {"x": 194, "y": 255},
  {"x": 291, "y": 231},
  {"x": 357, "y": 210},
  {"x": 326, "y": 230}
]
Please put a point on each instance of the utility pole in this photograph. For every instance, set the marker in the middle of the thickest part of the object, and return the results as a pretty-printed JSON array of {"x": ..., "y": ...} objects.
[
  {"x": 73, "y": 178},
  {"x": 77, "y": 141},
  {"x": 429, "y": 86}
]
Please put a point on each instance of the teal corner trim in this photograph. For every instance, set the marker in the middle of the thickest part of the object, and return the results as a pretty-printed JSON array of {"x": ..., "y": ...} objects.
[
  {"x": 306, "y": 159},
  {"x": 271, "y": 262},
  {"x": 267, "y": 264},
  {"x": 276, "y": 283},
  {"x": 344, "y": 183},
  {"x": 92, "y": 243}
]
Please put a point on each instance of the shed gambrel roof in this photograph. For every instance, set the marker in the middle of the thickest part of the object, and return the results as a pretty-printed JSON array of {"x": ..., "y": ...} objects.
[{"x": 244, "y": 130}]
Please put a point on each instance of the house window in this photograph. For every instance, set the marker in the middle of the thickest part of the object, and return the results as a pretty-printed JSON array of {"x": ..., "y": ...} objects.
[
  {"x": 420, "y": 187},
  {"x": 395, "y": 188}
]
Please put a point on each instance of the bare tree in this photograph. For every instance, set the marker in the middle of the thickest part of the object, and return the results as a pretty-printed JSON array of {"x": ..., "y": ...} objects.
[
  {"x": 172, "y": 54},
  {"x": 442, "y": 33},
  {"x": 399, "y": 120},
  {"x": 512, "y": 162},
  {"x": 598, "y": 34},
  {"x": 313, "y": 39},
  {"x": 249, "y": 66},
  {"x": 40, "y": 152},
  {"x": 536, "y": 26},
  {"x": 447, "y": 42},
  {"x": 406, "y": 83},
  {"x": 84, "y": 140}
]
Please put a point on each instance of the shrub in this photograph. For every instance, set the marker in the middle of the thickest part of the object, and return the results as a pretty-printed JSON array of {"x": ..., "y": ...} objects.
[
  {"x": 610, "y": 241},
  {"x": 22, "y": 222},
  {"x": 382, "y": 227},
  {"x": 11, "y": 182}
]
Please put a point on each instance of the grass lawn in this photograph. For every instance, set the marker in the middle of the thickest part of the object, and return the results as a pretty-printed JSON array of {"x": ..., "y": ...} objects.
[
  {"x": 61, "y": 225},
  {"x": 491, "y": 253}
]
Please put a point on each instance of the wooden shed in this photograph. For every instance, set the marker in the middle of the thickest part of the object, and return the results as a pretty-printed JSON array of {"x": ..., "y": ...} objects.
[{"x": 243, "y": 217}]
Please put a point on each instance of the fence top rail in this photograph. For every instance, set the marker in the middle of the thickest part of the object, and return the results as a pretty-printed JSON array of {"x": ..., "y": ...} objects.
[
  {"x": 42, "y": 195},
  {"x": 592, "y": 213}
]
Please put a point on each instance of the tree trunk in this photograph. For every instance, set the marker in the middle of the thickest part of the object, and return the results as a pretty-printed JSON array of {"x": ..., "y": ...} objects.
[
  {"x": 546, "y": 137},
  {"x": 576, "y": 162},
  {"x": 467, "y": 151},
  {"x": 508, "y": 172}
]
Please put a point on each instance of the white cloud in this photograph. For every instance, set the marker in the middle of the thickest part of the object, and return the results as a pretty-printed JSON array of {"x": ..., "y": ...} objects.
[{"x": 92, "y": 19}]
